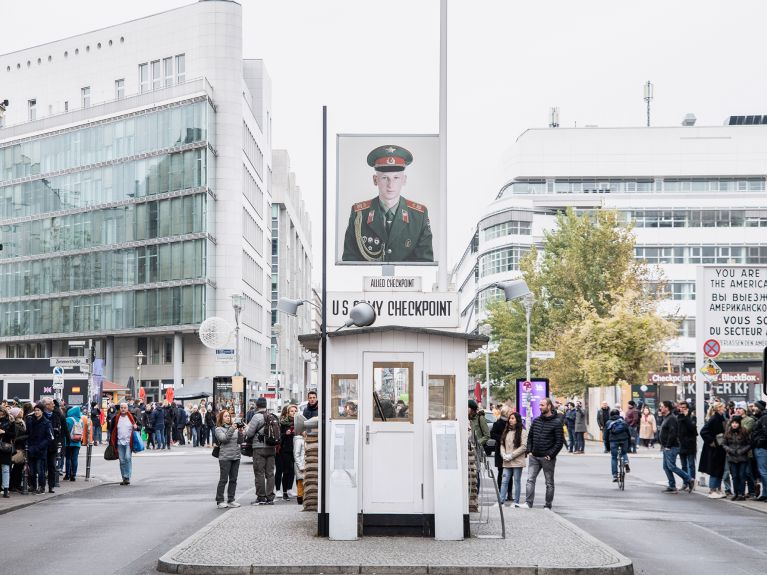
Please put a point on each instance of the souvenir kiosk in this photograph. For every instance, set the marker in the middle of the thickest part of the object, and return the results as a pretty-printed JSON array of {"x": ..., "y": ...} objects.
[{"x": 394, "y": 456}]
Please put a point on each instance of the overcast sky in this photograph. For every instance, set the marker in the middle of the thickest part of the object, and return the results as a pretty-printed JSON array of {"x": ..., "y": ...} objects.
[{"x": 376, "y": 66}]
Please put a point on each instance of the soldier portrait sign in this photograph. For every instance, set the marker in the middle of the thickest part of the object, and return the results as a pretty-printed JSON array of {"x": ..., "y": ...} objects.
[{"x": 387, "y": 199}]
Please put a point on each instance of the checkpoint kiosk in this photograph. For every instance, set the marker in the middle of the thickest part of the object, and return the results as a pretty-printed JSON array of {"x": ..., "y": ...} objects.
[{"x": 396, "y": 431}]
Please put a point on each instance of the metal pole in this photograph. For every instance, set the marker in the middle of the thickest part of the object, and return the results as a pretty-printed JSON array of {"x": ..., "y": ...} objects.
[
  {"x": 528, "y": 310},
  {"x": 442, "y": 237},
  {"x": 487, "y": 373},
  {"x": 323, "y": 521},
  {"x": 89, "y": 448},
  {"x": 236, "y": 341}
]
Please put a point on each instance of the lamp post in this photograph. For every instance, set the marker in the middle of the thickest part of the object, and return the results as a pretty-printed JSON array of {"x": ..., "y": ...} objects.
[
  {"x": 238, "y": 300},
  {"x": 486, "y": 329},
  {"x": 139, "y": 361}
]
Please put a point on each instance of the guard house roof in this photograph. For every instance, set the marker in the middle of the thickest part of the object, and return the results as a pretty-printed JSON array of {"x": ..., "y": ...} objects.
[{"x": 311, "y": 341}]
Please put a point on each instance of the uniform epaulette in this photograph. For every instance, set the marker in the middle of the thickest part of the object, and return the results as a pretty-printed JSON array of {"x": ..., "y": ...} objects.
[
  {"x": 358, "y": 207},
  {"x": 415, "y": 206}
]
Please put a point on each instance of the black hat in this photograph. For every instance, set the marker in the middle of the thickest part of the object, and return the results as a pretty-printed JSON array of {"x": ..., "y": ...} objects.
[
  {"x": 632, "y": 403},
  {"x": 261, "y": 402},
  {"x": 737, "y": 418},
  {"x": 614, "y": 412},
  {"x": 761, "y": 405},
  {"x": 473, "y": 405}
]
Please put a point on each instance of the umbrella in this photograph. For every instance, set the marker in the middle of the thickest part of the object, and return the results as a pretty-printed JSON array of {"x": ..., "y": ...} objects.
[
  {"x": 478, "y": 391},
  {"x": 131, "y": 385}
]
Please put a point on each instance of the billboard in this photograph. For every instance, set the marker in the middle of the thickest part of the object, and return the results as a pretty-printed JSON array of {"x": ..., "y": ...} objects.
[
  {"x": 529, "y": 395},
  {"x": 387, "y": 199}
]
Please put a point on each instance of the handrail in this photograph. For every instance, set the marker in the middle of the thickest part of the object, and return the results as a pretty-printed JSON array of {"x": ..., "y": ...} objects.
[{"x": 482, "y": 459}]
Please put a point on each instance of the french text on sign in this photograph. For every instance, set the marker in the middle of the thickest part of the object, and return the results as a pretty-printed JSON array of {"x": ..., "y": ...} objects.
[{"x": 711, "y": 348}]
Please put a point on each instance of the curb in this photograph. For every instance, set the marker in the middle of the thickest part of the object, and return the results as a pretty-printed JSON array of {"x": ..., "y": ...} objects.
[{"x": 29, "y": 502}]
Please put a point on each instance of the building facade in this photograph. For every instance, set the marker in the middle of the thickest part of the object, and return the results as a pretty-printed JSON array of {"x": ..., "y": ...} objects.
[
  {"x": 695, "y": 195},
  {"x": 291, "y": 278},
  {"x": 135, "y": 182}
]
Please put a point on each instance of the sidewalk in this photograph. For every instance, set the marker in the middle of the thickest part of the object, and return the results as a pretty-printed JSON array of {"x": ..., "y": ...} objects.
[
  {"x": 243, "y": 541},
  {"x": 19, "y": 501}
]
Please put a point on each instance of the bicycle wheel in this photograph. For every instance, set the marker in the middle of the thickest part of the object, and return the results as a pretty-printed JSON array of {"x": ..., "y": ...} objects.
[{"x": 621, "y": 471}]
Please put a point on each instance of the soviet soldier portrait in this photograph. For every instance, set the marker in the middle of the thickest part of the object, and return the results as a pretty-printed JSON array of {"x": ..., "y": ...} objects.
[{"x": 389, "y": 227}]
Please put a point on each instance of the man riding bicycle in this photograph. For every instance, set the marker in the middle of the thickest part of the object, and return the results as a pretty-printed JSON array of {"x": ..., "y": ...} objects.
[{"x": 617, "y": 433}]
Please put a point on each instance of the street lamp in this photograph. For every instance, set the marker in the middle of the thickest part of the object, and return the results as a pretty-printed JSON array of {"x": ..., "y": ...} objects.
[
  {"x": 486, "y": 329},
  {"x": 139, "y": 360},
  {"x": 238, "y": 301}
]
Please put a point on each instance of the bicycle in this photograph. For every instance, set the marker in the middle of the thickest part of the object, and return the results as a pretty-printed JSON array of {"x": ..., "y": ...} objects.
[{"x": 621, "y": 469}]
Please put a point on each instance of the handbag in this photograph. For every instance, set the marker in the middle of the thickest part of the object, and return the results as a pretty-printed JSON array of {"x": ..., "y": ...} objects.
[
  {"x": 110, "y": 454},
  {"x": 216, "y": 451},
  {"x": 137, "y": 446},
  {"x": 246, "y": 449},
  {"x": 19, "y": 457},
  {"x": 7, "y": 447}
]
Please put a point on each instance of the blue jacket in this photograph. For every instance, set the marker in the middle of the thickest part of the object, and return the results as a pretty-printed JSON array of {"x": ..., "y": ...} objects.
[
  {"x": 73, "y": 415},
  {"x": 181, "y": 417},
  {"x": 39, "y": 436},
  {"x": 158, "y": 417},
  {"x": 611, "y": 435}
]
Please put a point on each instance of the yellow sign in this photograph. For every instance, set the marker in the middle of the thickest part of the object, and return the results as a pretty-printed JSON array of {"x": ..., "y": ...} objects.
[
  {"x": 238, "y": 383},
  {"x": 710, "y": 369}
]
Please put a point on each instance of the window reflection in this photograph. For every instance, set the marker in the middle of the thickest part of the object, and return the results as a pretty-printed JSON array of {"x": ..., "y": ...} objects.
[
  {"x": 392, "y": 391},
  {"x": 441, "y": 397},
  {"x": 344, "y": 396}
]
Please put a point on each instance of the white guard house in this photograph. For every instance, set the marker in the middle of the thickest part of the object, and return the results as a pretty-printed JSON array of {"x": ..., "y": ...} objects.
[{"x": 395, "y": 455}]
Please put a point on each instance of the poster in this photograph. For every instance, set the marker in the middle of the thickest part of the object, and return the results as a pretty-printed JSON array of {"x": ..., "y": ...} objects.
[
  {"x": 387, "y": 199},
  {"x": 529, "y": 395}
]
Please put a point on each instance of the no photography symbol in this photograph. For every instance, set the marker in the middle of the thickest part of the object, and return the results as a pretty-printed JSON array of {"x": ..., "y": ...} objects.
[{"x": 711, "y": 348}]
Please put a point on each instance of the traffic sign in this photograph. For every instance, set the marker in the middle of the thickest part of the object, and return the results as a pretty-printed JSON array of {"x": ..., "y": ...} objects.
[
  {"x": 69, "y": 362},
  {"x": 710, "y": 370},
  {"x": 58, "y": 370},
  {"x": 542, "y": 354},
  {"x": 711, "y": 348}
]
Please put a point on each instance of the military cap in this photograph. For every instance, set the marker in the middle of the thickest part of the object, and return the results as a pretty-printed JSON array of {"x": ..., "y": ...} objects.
[{"x": 389, "y": 158}]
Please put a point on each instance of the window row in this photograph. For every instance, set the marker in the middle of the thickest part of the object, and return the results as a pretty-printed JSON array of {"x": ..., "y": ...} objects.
[
  {"x": 696, "y": 218},
  {"x": 253, "y": 314},
  {"x": 104, "y": 312},
  {"x": 702, "y": 254},
  {"x": 510, "y": 228},
  {"x": 105, "y": 269},
  {"x": 501, "y": 260},
  {"x": 252, "y": 191},
  {"x": 26, "y": 350},
  {"x": 157, "y": 350},
  {"x": 632, "y": 186},
  {"x": 252, "y": 232},
  {"x": 144, "y": 133},
  {"x": 160, "y": 73},
  {"x": 252, "y": 273},
  {"x": 252, "y": 150},
  {"x": 677, "y": 291},
  {"x": 136, "y": 222},
  {"x": 115, "y": 183}
]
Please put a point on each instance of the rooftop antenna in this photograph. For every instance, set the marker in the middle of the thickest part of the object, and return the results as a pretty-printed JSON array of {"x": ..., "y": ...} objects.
[
  {"x": 554, "y": 118},
  {"x": 648, "y": 95}
]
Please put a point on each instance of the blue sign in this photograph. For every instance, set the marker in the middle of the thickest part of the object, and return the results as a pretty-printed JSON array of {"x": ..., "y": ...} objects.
[{"x": 529, "y": 395}]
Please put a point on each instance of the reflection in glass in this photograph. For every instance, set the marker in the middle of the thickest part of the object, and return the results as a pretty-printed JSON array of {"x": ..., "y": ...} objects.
[
  {"x": 344, "y": 396},
  {"x": 441, "y": 397},
  {"x": 392, "y": 391}
]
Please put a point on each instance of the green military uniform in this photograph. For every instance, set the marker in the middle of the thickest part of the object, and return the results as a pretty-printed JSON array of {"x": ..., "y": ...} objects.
[{"x": 407, "y": 240}]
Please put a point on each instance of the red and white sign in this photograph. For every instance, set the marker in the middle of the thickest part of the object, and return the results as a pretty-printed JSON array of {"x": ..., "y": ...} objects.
[{"x": 711, "y": 348}]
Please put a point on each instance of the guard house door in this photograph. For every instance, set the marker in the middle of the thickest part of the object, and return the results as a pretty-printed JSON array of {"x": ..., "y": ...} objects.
[{"x": 392, "y": 433}]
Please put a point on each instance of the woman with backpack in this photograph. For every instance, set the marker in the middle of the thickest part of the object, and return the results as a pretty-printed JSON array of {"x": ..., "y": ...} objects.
[
  {"x": 513, "y": 450},
  {"x": 228, "y": 437},
  {"x": 77, "y": 433}
]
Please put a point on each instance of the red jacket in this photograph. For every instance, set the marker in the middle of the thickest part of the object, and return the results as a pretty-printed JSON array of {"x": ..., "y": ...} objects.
[{"x": 115, "y": 421}]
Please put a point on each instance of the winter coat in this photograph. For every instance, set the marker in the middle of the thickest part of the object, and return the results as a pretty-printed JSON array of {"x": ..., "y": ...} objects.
[
  {"x": 170, "y": 415},
  {"x": 210, "y": 418},
  {"x": 580, "y": 420},
  {"x": 712, "y": 459},
  {"x": 632, "y": 417},
  {"x": 603, "y": 416},
  {"x": 616, "y": 436},
  {"x": 669, "y": 432},
  {"x": 647, "y": 426},
  {"x": 158, "y": 417},
  {"x": 310, "y": 411},
  {"x": 479, "y": 427},
  {"x": 299, "y": 456},
  {"x": 9, "y": 436},
  {"x": 496, "y": 431},
  {"x": 58, "y": 427},
  {"x": 181, "y": 418},
  {"x": 759, "y": 433},
  {"x": 195, "y": 420},
  {"x": 570, "y": 417},
  {"x": 545, "y": 436},
  {"x": 737, "y": 445},
  {"x": 252, "y": 433},
  {"x": 20, "y": 439},
  {"x": 287, "y": 435},
  {"x": 229, "y": 439},
  {"x": 73, "y": 416},
  {"x": 510, "y": 456},
  {"x": 39, "y": 436},
  {"x": 688, "y": 434}
]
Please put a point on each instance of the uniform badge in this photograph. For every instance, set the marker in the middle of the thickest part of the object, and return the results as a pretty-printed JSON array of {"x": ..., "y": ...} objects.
[
  {"x": 364, "y": 238},
  {"x": 376, "y": 241},
  {"x": 370, "y": 217},
  {"x": 408, "y": 243},
  {"x": 405, "y": 217}
]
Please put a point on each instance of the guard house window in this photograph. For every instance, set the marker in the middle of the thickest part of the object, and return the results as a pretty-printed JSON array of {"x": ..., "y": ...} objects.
[
  {"x": 167, "y": 68},
  {"x": 392, "y": 392},
  {"x": 85, "y": 96},
  {"x": 120, "y": 89},
  {"x": 180, "y": 69},
  {"x": 441, "y": 397},
  {"x": 344, "y": 396},
  {"x": 156, "y": 75},
  {"x": 143, "y": 77},
  {"x": 32, "y": 104}
]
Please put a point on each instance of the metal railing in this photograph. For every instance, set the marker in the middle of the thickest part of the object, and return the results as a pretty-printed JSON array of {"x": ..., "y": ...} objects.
[{"x": 486, "y": 472}]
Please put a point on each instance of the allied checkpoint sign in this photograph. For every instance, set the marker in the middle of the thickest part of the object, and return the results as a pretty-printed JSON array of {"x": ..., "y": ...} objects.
[{"x": 731, "y": 317}]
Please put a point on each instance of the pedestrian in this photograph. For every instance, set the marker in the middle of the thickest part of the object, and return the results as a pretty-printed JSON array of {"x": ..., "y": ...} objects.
[
  {"x": 181, "y": 420},
  {"x": 77, "y": 432},
  {"x": 544, "y": 441},
  {"x": 580, "y": 426},
  {"x": 20, "y": 443},
  {"x": 603, "y": 416},
  {"x": 169, "y": 409},
  {"x": 209, "y": 425},
  {"x": 299, "y": 456},
  {"x": 195, "y": 422},
  {"x": 618, "y": 434},
  {"x": 149, "y": 425},
  {"x": 632, "y": 419},
  {"x": 39, "y": 437},
  {"x": 712, "y": 455},
  {"x": 250, "y": 413},
  {"x": 312, "y": 408},
  {"x": 158, "y": 425},
  {"x": 513, "y": 451},
  {"x": 747, "y": 422},
  {"x": 759, "y": 444},
  {"x": 121, "y": 439},
  {"x": 688, "y": 438},
  {"x": 570, "y": 424},
  {"x": 647, "y": 428},
  {"x": 284, "y": 479},
  {"x": 96, "y": 422},
  {"x": 669, "y": 443},
  {"x": 496, "y": 431},
  {"x": 263, "y": 454},
  {"x": 228, "y": 437},
  {"x": 737, "y": 445},
  {"x": 52, "y": 412},
  {"x": 8, "y": 439}
]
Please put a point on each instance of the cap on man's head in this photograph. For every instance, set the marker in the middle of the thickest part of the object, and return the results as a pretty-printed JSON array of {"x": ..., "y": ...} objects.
[
  {"x": 389, "y": 158},
  {"x": 261, "y": 402},
  {"x": 761, "y": 405},
  {"x": 473, "y": 405}
]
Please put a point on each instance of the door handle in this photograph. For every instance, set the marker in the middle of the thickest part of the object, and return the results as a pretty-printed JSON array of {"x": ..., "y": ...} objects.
[{"x": 367, "y": 434}]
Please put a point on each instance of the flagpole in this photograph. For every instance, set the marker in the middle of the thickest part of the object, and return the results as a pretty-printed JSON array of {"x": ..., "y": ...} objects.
[{"x": 442, "y": 248}]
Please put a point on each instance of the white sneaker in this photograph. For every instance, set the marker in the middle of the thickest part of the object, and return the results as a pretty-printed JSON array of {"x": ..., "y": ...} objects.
[
  {"x": 233, "y": 504},
  {"x": 222, "y": 505},
  {"x": 290, "y": 493},
  {"x": 516, "y": 506}
]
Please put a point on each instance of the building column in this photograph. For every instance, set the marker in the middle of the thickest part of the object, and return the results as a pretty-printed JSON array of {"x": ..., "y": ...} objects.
[
  {"x": 109, "y": 360},
  {"x": 177, "y": 353}
]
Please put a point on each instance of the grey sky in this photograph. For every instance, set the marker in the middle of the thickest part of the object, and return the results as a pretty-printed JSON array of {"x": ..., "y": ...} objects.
[{"x": 376, "y": 67}]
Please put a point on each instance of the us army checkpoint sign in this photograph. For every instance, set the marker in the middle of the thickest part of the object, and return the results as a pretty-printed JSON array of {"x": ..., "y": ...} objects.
[{"x": 411, "y": 309}]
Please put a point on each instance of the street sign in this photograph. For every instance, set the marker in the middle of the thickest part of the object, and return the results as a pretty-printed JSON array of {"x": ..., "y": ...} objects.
[
  {"x": 225, "y": 356},
  {"x": 69, "y": 362},
  {"x": 77, "y": 343},
  {"x": 58, "y": 384},
  {"x": 711, "y": 348},
  {"x": 58, "y": 370},
  {"x": 542, "y": 354},
  {"x": 710, "y": 370}
]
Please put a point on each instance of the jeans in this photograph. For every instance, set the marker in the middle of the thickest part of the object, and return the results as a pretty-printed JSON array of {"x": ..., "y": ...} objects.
[
  {"x": 96, "y": 432},
  {"x": 580, "y": 443},
  {"x": 37, "y": 471},
  {"x": 726, "y": 477},
  {"x": 228, "y": 470},
  {"x": 159, "y": 437},
  {"x": 72, "y": 452},
  {"x": 760, "y": 454},
  {"x": 570, "y": 437},
  {"x": 714, "y": 483},
  {"x": 195, "y": 436},
  {"x": 624, "y": 445},
  {"x": 669, "y": 466},
  {"x": 688, "y": 464},
  {"x": 605, "y": 442},
  {"x": 536, "y": 464},
  {"x": 634, "y": 439},
  {"x": 52, "y": 467},
  {"x": 263, "y": 472},
  {"x": 738, "y": 472},
  {"x": 6, "y": 474},
  {"x": 511, "y": 474},
  {"x": 126, "y": 463},
  {"x": 749, "y": 477}
]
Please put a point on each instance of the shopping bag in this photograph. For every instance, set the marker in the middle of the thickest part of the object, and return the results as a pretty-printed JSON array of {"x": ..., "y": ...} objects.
[{"x": 137, "y": 444}]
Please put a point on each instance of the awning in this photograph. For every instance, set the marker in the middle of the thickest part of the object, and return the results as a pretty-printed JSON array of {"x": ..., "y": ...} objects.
[
  {"x": 196, "y": 389},
  {"x": 111, "y": 386}
]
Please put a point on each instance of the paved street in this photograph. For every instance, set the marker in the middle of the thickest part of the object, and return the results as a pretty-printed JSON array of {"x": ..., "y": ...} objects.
[{"x": 120, "y": 530}]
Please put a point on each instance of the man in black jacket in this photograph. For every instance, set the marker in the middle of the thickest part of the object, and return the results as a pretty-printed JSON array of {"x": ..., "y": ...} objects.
[
  {"x": 603, "y": 416},
  {"x": 759, "y": 444},
  {"x": 688, "y": 438},
  {"x": 544, "y": 441},
  {"x": 669, "y": 443},
  {"x": 52, "y": 413}
]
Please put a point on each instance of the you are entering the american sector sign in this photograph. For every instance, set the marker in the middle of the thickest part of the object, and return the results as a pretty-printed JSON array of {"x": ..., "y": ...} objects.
[{"x": 732, "y": 307}]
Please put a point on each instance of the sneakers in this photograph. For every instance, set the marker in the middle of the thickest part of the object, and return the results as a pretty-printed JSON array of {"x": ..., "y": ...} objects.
[
  {"x": 233, "y": 504},
  {"x": 615, "y": 479},
  {"x": 285, "y": 497},
  {"x": 716, "y": 495},
  {"x": 268, "y": 502},
  {"x": 671, "y": 490},
  {"x": 690, "y": 486},
  {"x": 222, "y": 505},
  {"x": 259, "y": 501}
]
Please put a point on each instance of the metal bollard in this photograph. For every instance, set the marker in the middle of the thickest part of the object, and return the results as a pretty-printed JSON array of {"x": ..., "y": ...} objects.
[{"x": 88, "y": 461}]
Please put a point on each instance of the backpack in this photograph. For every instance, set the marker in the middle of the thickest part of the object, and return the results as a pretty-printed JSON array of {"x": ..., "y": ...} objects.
[
  {"x": 270, "y": 432},
  {"x": 618, "y": 427},
  {"x": 77, "y": 430}
]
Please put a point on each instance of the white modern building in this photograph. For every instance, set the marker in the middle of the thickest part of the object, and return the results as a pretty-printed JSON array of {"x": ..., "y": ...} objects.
[
  {"x": 695, "y": 194},
  {"x": 291, "y": 278},
  {"x": 135, "y": 183}
]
